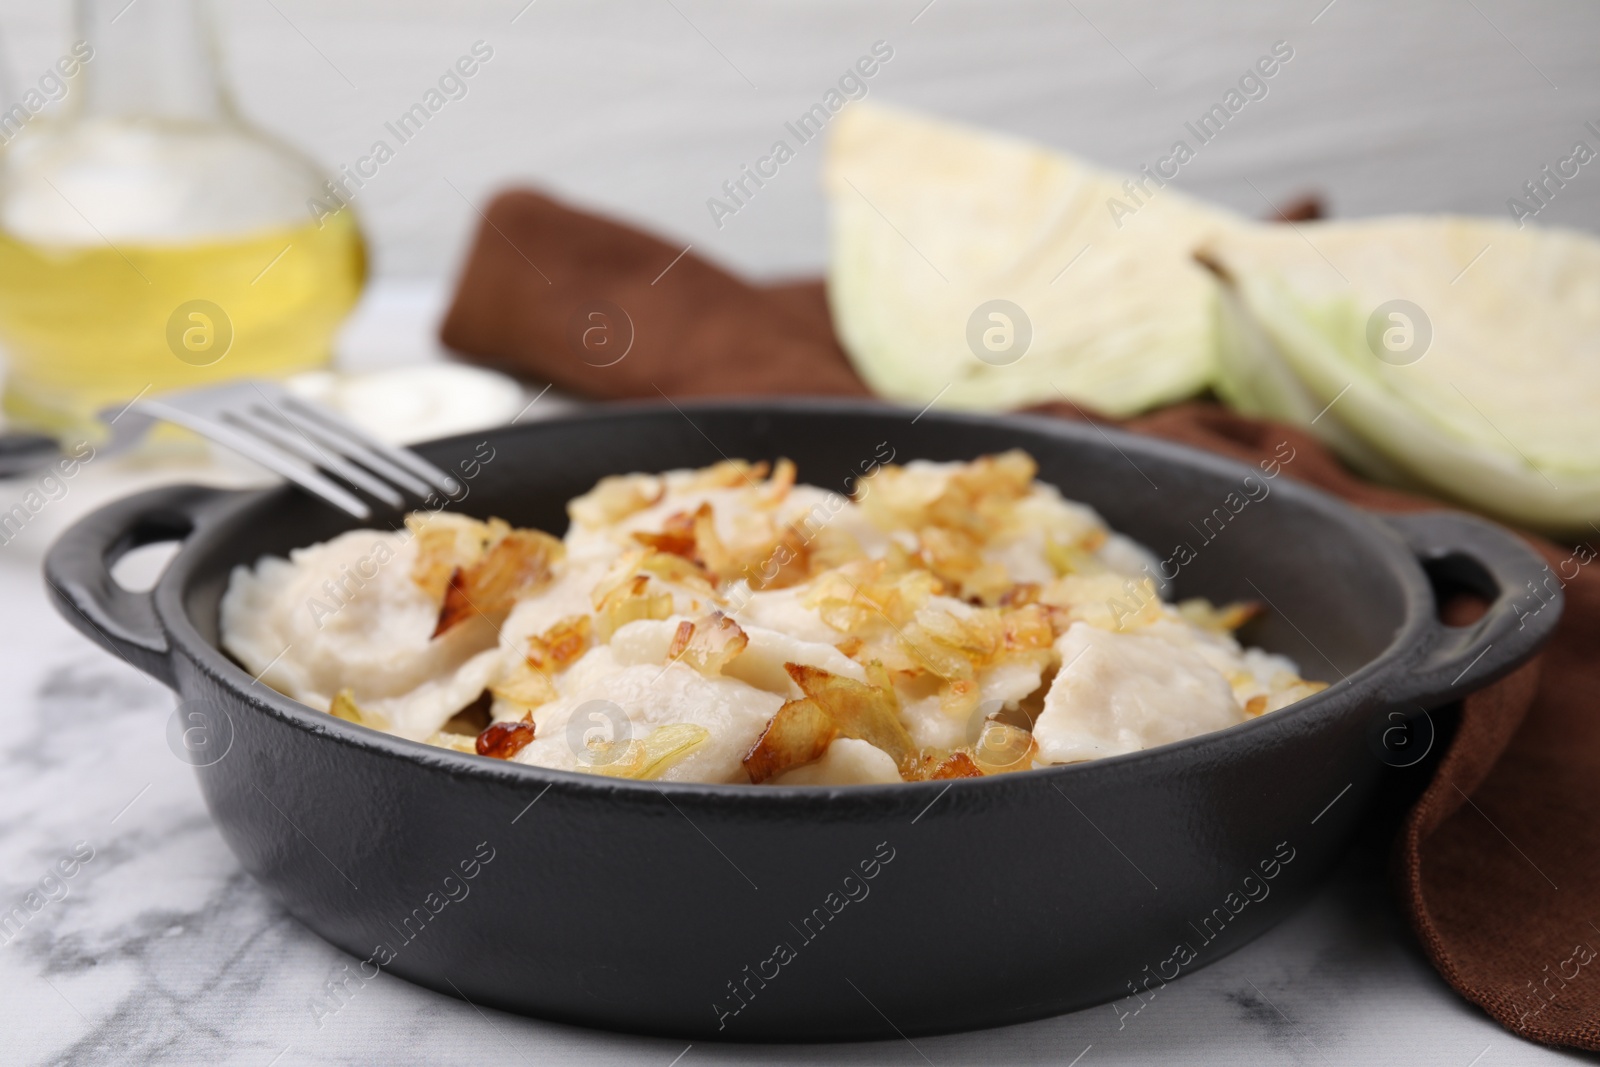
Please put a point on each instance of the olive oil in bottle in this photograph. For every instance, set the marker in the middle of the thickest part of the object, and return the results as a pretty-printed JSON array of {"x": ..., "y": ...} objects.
[{"x": 149, "y": 239}]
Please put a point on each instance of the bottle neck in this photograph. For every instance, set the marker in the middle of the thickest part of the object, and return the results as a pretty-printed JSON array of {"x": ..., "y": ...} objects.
[{"x": 153, "y": 59}]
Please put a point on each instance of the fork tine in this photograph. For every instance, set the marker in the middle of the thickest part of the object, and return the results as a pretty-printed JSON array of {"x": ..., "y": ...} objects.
[
  {"x": 360, "y": 453},
  {"x": 263, "y": 425},
  {"x": 253, "y": 448},
  {"x": 280, "y": 400},
  {"x": 356, "y": 436}
]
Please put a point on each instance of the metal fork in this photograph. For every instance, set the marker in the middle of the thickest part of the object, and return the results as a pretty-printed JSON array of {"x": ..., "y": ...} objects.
[{"x": 304, "y": 442}]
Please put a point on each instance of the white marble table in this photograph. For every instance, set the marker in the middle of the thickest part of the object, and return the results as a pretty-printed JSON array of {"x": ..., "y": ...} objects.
[{"x": 163, "y": 950}]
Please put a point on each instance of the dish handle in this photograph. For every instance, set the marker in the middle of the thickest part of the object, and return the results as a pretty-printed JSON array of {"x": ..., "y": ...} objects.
[
  {"x": 1473, "y": 555},
  {"x": 77, "y": 571}
]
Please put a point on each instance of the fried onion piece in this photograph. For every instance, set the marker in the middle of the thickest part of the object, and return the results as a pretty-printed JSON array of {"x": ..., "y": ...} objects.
[
  {"x": 1007, "y": 475},
  {"x": 691, "y": 544},
  {"x": 729, "y": 474},
  {"x": 836, "y": 707},
  {"x": 954, "y": 642},
  {"x": 708, "y": 644},
  {"x": 643, "y": 562},
  {"x": 782, "y": 480},
  {"x": 710, "y": 552},
  {"x": 878, "y": 677},
  {"x": 904, "y": 656},
  {"x": 1000, "y": 749},
  {"x": 955, "y": 556},
  {"x": 1073, "y": 558},
  {"x": 1222, "y": 620},
  {"x": 690, "y": 537},
  {"x": 627, "y": 603},
  {"x": 921, "y": 764},
  {"x": 869, "y": 712},
  {"x": 680, "y": 640},
  {"x": 977, "y": 497},
  {"x": 614, "y": 498},
  {"x": 502, "y": 740},
  {"x": 453, "y": 741},
  {"x": 862, "y": 596},
  {"x": 953, "y": 646},
  {"x": 978, "y": 633},
  {"x": 929, "y": 764},
  {"x": 787, "y": 562},
  {"x": 766, "y": 557},
  {"x": 526, "y": 686},
  {"x": 518, "y": 564},
  {"x": 561, "y": 644},
  {"x": 956, "y": 765},
  {"x": 445, "y": 542},
  {"x": 457, "y": 606},
  {"x": 649, "y": 758},
  {"x": 678, "y": 570},
  {"x": 960, "y": 697},
  {"x": 344, "y": 707},
  {"x": 1028, "y": 629},
  {"x": 1020, "y": 595},
  {"x": 622, "y": 574},
  {"x": 800, "y": 733},
  {"x": 677, "y": 536},
  {"x": 831, "y": 547},
  {"x": 1107, "y": 601}
]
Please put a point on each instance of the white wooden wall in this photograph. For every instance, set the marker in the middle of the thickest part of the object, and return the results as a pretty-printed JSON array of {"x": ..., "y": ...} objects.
[{"x": 644, "y": 107}]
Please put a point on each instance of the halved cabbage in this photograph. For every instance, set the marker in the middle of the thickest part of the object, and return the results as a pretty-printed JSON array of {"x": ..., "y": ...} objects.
[
  {"x": 930, "y": 220},
  {"x": 1460, "y": 356}
]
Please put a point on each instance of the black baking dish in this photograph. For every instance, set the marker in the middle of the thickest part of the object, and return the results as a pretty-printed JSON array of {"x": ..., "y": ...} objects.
[{"x": 745, "y": 913}]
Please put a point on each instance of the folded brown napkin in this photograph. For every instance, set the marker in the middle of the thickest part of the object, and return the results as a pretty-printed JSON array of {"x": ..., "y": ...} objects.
[
  {"x": 1498, "y": 862},
  {"x": 603, "y": 310}
]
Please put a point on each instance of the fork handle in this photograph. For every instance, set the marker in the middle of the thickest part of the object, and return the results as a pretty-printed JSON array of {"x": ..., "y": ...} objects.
[{"x": 23, "y": 452}]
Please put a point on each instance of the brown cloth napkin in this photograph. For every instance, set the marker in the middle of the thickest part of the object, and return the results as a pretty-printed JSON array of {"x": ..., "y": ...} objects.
[
  {"x": 605, "y": 311},
  {"x": 1498, "y": 862}
]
